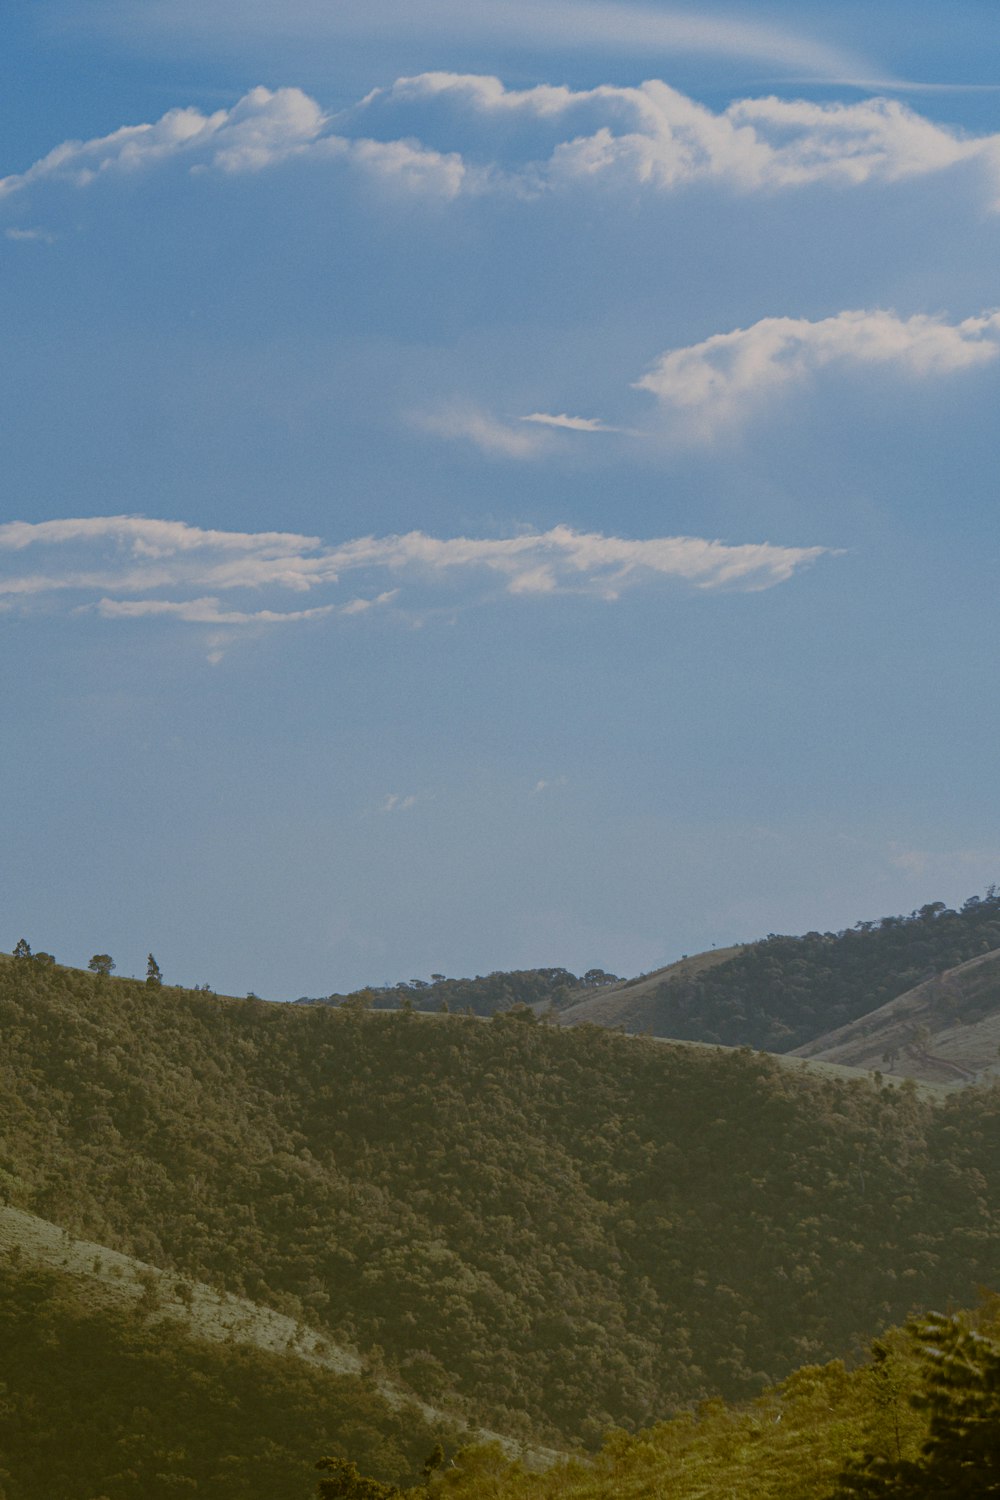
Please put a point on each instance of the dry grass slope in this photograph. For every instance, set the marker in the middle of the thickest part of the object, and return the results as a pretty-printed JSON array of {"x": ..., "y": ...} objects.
[{"x": 944, "y": 1031}]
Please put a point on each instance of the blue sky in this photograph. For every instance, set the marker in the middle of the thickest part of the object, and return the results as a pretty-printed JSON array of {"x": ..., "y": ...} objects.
[{"x": 497, "y": 486}]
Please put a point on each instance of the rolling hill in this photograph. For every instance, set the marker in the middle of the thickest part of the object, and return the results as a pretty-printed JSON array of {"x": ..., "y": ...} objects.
[
  {"x": 781, "y": 993},
  {"x": 546, "y": 1230},
  {"x": 945, "y": 1030}
]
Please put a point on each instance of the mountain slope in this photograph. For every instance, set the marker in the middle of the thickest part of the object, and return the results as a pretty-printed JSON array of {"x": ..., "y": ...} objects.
[
  {"x": 107, "y": 1397},
  {"x": 782, "y": 992},
  {"x": 944, "y": 1030},
  {"x": 631, "y": 1004},
  {"x": 549, "y": 1230}
]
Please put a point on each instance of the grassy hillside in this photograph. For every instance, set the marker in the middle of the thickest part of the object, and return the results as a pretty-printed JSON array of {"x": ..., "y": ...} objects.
[
  {"x": 945, "y": 1030},
  {"x": 564, "y": 1230},
  {"x": 783, "y": 992},
  {"x": 631, "y": 1003}
]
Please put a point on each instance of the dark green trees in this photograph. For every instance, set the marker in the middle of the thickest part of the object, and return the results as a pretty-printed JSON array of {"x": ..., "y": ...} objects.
[
  {"x": 960, "y": 1392},
  {"x": 344, "y": 1481},
  {"x": 154, "y": 977},
  {"x": 101, "y": 964}
]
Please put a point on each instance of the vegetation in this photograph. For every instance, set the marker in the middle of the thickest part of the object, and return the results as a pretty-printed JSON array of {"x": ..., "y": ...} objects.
[
  {"x": 919, "y": 1419},
  {"x": 111, "y": 1403},
  {"x": 784, "y": 991},
  {"x": 483, "y": 996},
  {"x": 568, "y": 1230}
]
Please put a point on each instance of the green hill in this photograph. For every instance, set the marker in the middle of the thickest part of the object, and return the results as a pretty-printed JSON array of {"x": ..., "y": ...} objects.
[
  {"x": 918, "y": 1418},
  {"x": 111, "y": 1398},
  {"x": 946, "y": 1030},
  {"x": 484, "y": 995},
  {"x": 550, "y": 1231},
  {"x": 783, "y": 992}
]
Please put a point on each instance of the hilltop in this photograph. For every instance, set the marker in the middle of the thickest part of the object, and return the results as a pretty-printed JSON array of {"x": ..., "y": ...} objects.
[{"x": 782, "y": 993}]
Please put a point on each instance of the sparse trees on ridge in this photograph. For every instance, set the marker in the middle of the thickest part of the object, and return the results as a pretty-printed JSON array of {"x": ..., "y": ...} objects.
[{"x": 101, "y": 964}]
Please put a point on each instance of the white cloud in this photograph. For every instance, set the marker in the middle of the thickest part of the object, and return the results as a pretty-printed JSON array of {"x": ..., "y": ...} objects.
[
  {"x": 657, "y": 136},
  {"x": 262, "y": 129},
  {"x": 395, "y": 803},
  {"x": 131, "y": 567},
  {"x": 651, "y": 134},
  {"x": 571, "y": 424},
  {"x": 460, "y": 420},
  {"x": 203, "y": 612},
  {"x": 543, "y": 785},
  {"x": 721, "y": 377},
  {"x": 29, "y": 236}
]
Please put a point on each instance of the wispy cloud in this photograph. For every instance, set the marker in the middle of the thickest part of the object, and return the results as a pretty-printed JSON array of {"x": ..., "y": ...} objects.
[
  {"x": 207, "y": 612},
  {"x": 395, "y": 803},
  {"x": 651, "y": 135},
  {"x": 569, "y": 424},
  {"x": 725, "y": 375},
  {"x": 617, "y": 27},
  {"x": 132, "y": 568},
  {"x": 544, "y": 785},
  {"x": 30, "y": 236},
  {"x": 468, "y": 423}
]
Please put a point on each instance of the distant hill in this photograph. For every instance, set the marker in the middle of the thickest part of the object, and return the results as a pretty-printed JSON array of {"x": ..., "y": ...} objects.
[
  {"x": 550, "y": 1231},
  {"x": 633, "y": 1004},
  {"x": 485, "y": 995},
  {"x": 783, "y": 992},
  {"x": 945, "y": 1030},
  {"x": 776, "y": 994}
]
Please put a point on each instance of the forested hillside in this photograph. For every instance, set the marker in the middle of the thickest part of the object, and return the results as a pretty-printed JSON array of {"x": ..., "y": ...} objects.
[
  {"x": 918, "y": 1419},
  {"x": 562, "y": 1230},
  {"x": 124, "y": 1404},
  {"x": 484, "y": 995},
  {"x": 782, "y": 992}
]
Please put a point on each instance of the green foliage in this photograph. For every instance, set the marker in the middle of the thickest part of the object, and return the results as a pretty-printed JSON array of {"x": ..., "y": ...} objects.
[
  {"x": 106, "y": 1403},
  {"x": 784, "y": 991},
  {"x": 154, "y": 976},
  {"x": 102, "y": 964},
  {"x": 959, "y": 1391},
  {"x": 344, "y": 1481},
  {"x": 568, "y": 1230},
  {"x": 484, "y": 995}
]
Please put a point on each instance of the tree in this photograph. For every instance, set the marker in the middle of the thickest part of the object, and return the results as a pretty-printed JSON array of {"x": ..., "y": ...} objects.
[
  {"x": 154, "y": 978},
  {"x": 21, "y": 949},
  {"x": 344, "y": 1481},
  {"x": 101, "y": 964},
  {"x": 960, "y": 1392},
  {"x": 433, "y": 1461}
]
